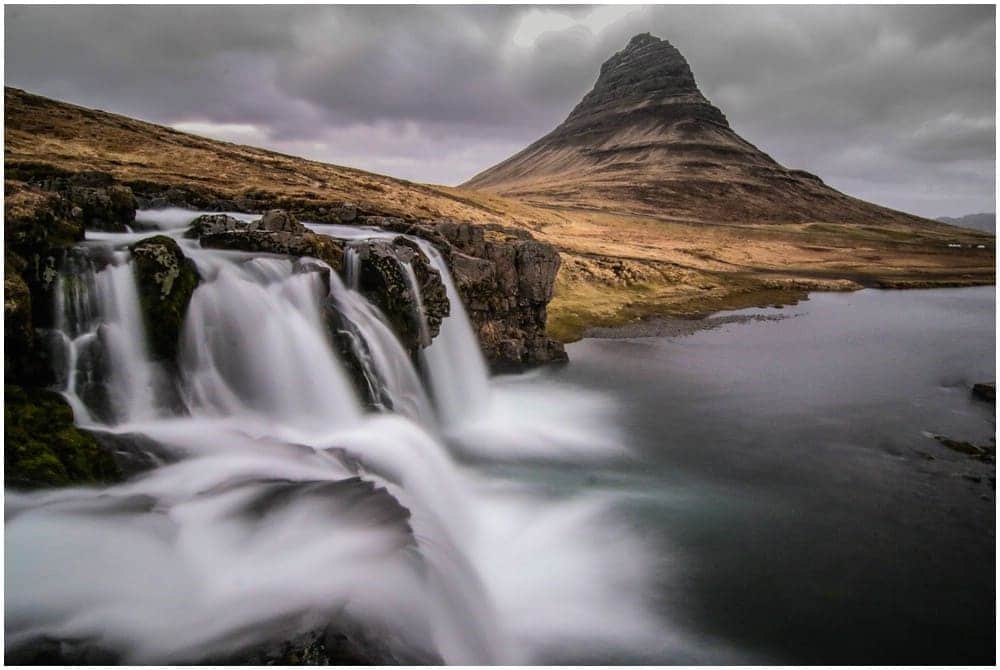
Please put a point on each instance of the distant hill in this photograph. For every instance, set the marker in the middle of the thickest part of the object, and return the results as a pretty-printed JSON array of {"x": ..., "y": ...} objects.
[{"x": 986, "y": 221}]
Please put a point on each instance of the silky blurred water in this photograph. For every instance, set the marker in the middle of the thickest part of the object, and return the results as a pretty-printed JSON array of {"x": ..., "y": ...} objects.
[{"x": 781, "y": 472}]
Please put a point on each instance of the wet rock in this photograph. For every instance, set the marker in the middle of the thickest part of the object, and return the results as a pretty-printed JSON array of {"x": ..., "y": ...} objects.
[
  {"x": 95, "y": 198},
  {"x": 134, "y": 453},
  {"x": 279, "y": 221},
  {"x": 340, "y": 643},
  {"x": 309, "y": 244},
  {"x": 20, "y": 341},
  {"x": 39, "y": 228},
  {"x": 346, "y": 212},
  {"x": 110, "y": 209},
  {"x": 383, "y": 280},
  {"x": 42, "y": 446},
  {"x": 166, "y": 279},
  {"x": 277, "y": 232},
  {"x": 985, "y": 454},
  {"x": 985, "y": 391},
  {"x": 506, "y": 279},
  {"x": 211, "y": 224},
  {"x": 537, "y": 266}
]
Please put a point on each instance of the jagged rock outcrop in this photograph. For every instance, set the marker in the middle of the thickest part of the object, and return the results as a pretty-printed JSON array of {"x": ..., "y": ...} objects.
[
  {"x": 415, "y": 312},
  {"x": 277, "y": 232},
  {"x": 646, "y": 141},
  {"x": 505, "y": 278},
  {"x": 99, "y": 201},
  {"x": 39, "y": 227},
  {"x": 167, "y": 280}
]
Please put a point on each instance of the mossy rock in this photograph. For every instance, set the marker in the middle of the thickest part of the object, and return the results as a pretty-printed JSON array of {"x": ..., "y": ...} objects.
[
  {"x": 167, "y": 280},
  {"x": 43, "y": 447}
]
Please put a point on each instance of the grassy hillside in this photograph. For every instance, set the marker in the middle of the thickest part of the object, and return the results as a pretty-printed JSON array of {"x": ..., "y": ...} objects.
[{"x": 616, "y": 265}]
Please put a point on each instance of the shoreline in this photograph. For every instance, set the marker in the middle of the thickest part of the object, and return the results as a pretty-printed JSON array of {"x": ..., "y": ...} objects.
[{"x": 672, "y": 325}]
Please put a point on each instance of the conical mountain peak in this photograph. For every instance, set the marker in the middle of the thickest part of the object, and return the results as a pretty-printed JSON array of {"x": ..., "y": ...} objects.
[{"x": 645, "y": 140}]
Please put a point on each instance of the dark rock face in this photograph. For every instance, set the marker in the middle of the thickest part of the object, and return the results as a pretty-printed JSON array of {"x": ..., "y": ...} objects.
[
  {"x": 133, "y": 453},
  {"x": 506, "y": 280},
  {"x": 38, "y": 229},
  {"x": 382, "y": 279},
  {"x": 648, "y": 72},
  {"x": 211, "y": 224},
  {"x": 167, "y": 279},
  {"x": 277, "y": 232},
  {"x": 43, "y": 447},
  {"x": 99, "y": 202}
]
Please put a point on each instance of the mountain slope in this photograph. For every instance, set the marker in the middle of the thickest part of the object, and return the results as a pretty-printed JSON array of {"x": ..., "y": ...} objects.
[
  {"x": 645, "y": 140},
  {"x": 41, "y": 133},
  {"x": 986, "y": 221}
]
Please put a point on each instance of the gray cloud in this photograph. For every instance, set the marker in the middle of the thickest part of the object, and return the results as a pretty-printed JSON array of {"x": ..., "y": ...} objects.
[{"x": 892, "y": 104}]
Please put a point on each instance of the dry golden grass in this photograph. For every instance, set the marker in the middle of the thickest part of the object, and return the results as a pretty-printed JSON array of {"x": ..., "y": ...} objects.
[{"x": 617, "y": 265}]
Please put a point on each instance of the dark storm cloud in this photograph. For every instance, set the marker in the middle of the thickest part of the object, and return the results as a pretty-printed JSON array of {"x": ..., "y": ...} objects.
[{"x": 893, "y": 104}]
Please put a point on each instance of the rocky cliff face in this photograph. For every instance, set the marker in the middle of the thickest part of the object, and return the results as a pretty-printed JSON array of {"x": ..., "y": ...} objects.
[
  {"x": 646, "y": 141},
  {"x": 506, "y": 279}
]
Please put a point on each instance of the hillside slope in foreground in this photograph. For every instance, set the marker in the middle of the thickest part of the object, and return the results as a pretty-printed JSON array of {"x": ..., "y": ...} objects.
[{"x": 617, "y": 266}]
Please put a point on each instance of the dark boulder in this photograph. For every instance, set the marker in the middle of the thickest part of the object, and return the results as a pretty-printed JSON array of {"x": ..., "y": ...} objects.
[
  {"x": 111, "y": 208},
  {"x": 166, "y": 279},
  {"x": 277, "y": 232},
  {"x": 278, "y": 221},
  {"x": 323, "y": 248},
  {"x": 211, "y": 224},
  {"x": 42, "y": 446},
  {"x": 134, "y": 453},
  {"x": 985, "y": 391}
]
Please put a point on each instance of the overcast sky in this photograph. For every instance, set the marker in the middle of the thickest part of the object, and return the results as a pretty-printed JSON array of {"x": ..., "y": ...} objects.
[{"x": 891, "y": 104}]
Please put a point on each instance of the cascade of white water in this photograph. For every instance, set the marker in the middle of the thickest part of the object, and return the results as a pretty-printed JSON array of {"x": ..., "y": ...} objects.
[
  {"x": 288, "y": 506},
  {"x": 454, "y": 362},
  {"x": 389, "y": 372},
  {"x": 103, "y": 337},
  {"x": 254, "y": 345},
  {"x": 352, "y": 267}
]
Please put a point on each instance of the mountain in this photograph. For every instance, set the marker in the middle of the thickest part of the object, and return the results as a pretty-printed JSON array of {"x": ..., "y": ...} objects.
[
  {"x": 987, "y": 221},
  {"x": 646, "y": 140}
]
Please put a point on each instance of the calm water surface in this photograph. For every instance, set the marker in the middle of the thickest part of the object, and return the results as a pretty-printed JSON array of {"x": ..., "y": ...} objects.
[{"x": 781, "y": 477}]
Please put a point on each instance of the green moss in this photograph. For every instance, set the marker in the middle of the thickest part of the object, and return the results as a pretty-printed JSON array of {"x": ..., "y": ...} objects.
[
  {"x": 42, "y": 446},
  {"x": 167, "y": 279}
]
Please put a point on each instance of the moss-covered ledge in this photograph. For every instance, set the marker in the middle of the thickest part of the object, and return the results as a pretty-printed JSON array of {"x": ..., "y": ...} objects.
[{"x": 43, "y": 447}]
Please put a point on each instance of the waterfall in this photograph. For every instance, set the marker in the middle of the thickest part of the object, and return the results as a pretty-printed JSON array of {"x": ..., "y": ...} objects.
[
  {"x": 103, "y": 340},
  {"x": 285, "y": 370},
  {"x": 285, "y": 505},
  {"x": 388, "y": 371},
  {"x": 456, "y": 367}
]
